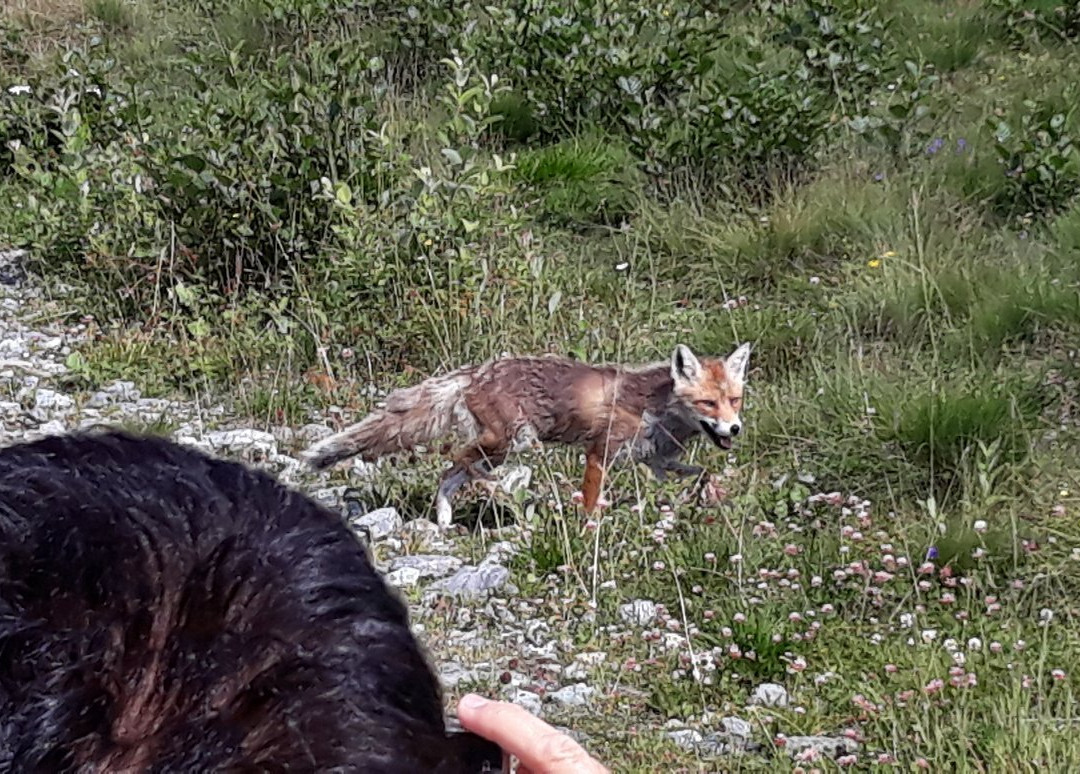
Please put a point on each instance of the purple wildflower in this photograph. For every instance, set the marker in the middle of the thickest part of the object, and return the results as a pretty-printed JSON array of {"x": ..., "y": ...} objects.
[
  {"x": 931, "y": 553},
  {"x": 961, "y": 145},
  {"x": 935, "y": 145}
]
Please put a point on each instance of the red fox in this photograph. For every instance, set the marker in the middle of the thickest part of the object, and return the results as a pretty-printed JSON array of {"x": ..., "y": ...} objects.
[{"x": 648, "y": 413}]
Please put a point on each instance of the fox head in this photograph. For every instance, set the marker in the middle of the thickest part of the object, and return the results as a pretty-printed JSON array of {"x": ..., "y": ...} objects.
[{"x": 710, "y": 391}]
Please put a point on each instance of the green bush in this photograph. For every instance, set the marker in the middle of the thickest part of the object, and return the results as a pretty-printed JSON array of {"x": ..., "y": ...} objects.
[
  {"x": 1040, "y": 158},
  {"x": 1028, "y": 21}
]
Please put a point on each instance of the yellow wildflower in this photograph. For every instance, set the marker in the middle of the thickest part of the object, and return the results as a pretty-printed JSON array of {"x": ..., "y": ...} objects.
[{"x": 873, "y": 264}]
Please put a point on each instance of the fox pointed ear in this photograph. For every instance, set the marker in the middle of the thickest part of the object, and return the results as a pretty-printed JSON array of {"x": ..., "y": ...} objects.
[
  {"x": 737, "y": 362},
  {"x": 685, "y": 367}
]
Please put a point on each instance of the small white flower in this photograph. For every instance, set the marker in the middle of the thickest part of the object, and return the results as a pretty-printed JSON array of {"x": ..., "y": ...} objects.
[
  {"x": 18, "y": 89},
  {"x": 980, "y": 526}
]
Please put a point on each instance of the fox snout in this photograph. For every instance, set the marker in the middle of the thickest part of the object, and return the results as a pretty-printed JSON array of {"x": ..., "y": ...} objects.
[{"x": 720, "y": 432}]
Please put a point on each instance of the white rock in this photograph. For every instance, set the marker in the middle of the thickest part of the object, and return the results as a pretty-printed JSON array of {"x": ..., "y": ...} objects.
[
  {"x": 51, "y": 400},
  {"x": 514, "y": 478},
  {"x": 528, "y": 700},
  {"x": 403, "y": 578},
  {"x": 832, "y": 746},
  {"x": 574, "y": 695},
  {"x": 380, "y": 523},
  {"x": 737, "y": 727},
  {"x": 640, "y": 612},
  {"x": 770, "y": 695},
  {"x": 687, "y": 738}
]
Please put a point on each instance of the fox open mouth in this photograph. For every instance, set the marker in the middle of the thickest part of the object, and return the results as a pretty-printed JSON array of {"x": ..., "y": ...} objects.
[{"x": 723, "y": 441}]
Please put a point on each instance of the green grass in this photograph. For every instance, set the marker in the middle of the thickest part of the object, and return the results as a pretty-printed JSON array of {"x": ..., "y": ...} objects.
[
  {"x": 914, "y": 311},
  {"x": 582, "y": 180}
]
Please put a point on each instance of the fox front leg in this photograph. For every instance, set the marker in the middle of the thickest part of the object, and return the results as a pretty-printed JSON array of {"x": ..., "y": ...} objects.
[
  {"x": 594, "y": 479},
  {"x": 449, "y": 484}
]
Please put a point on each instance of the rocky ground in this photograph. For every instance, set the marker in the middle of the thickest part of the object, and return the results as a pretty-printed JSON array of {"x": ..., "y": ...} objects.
[{"x": 482, "y": 633}]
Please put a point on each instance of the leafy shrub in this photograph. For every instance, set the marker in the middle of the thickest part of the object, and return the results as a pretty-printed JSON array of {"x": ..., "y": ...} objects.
[
  {"x": 412, "y": 260},
  {"x": 66, "y": 139},
  {"x": 842, "y": 43},
  {"x": 1027, "y": 21},
  {"x": 230, "y": 160},
  {"x": 1040, "y": 158},
  {"x": 652, "y": 72},
  {"x": 237, "y": 166}
]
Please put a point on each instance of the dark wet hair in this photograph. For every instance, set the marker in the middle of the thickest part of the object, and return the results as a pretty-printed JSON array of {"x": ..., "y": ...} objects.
[{"x": 162, "y": 610}]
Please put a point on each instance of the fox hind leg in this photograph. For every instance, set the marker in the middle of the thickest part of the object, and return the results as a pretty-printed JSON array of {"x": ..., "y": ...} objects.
[{"x": 476, "y": 462}]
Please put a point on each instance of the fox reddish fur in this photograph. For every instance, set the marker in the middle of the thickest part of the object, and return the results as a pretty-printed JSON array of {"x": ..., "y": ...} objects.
[{"x": 648, "y": 412}]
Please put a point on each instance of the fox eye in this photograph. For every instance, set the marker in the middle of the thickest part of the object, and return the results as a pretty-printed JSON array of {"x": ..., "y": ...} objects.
[
  {"x": 709, "y": 404},
  {"x": 735, "y": 403}
]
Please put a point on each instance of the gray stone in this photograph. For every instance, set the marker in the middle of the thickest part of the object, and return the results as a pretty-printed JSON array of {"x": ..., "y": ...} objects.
[
  {"x": 592, "y": 658},
  {"x": 575, "y": 671},
  {"x": 313, "y": 433},
  {"x": 51, "y": 401},
  {"x": 717, "y": 745},
  {"x": 471, "y": 581},
  {"x": 514, "y": 478},
  {"x": 640, "y": 612},
  {"x": 330, "y": 496},
  {"x": 423, "y": 528},
  {"x": 574, "y": 695},
  {"x": 538, "y": 633},
  {"x": 452, "y": 673},
  {"x": 53, "y": 427},
  {"x": 686, "y": 738},
  {"x": 379, "y": 524},
  {"x": 115, "y": 392},
  {"x": 427, "y": 565},
  {"x": 283, "y": 435},
  {"x": 737, "y": 727},
  {"x": 404, "y": 578},
  {"x": 833, "y": 746},
  {"x": 500, "y": 552},
  {"x": 528, "y": 700},
  {"x": 249, "y": 443},
  {"x": 770, "y": 695}
]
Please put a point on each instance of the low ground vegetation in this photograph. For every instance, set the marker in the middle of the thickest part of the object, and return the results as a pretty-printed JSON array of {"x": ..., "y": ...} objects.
[{"x": 287, "y": 202}]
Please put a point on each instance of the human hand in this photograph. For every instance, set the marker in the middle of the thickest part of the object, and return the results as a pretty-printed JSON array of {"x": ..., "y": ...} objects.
[{"x": 539, "y": 747}]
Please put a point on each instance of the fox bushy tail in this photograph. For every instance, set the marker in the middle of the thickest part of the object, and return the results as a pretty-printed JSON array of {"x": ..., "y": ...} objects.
[{"x": 433, "y": 409}]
